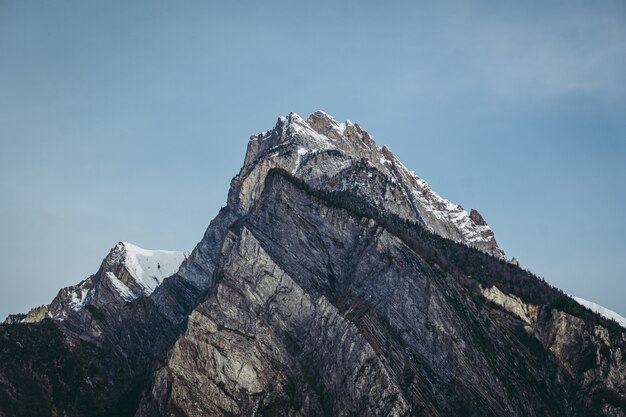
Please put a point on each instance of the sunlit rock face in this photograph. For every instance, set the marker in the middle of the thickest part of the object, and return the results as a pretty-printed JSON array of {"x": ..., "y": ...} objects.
[{"x": 342, "y": 156}]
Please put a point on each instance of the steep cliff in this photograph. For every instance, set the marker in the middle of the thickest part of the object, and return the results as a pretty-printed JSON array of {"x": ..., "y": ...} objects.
[{"x": 319, "y": 309}]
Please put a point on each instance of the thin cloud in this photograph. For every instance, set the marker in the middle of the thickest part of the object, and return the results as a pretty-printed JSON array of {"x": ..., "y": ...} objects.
[
  {"x": 520, "y": 56},
  {"x": 564, "y": 55}
]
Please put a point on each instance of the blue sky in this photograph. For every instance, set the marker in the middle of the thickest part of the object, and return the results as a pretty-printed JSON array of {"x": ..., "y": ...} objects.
[{"x": 126, "y": 121}]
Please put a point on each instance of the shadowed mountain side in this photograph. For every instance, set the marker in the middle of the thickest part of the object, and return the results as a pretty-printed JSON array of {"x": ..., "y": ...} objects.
[{"x": 319, "y": 310}]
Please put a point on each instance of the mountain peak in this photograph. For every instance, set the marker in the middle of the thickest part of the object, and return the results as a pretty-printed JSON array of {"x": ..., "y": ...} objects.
[
  {"x": 127, "y": 272},
  {"x": 326, "y": 125},
  {"x": 334, "y": 156},
  {"x": 147, "y": 267},
  {"x": 320, "y": 131}
]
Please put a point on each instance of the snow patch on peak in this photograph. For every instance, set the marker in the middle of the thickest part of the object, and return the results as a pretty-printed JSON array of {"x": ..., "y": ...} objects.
[
  {"x": 344, "y": 125},
  {"x": 295, "y": 117},
  {"x": 302, "y": 152},
  {"x": 324, "y": 114},
  {"x": 147, "y": 268},
  {"x": 294, "y": 139},
  {"x": 603, "y": 311},
  {"x": 299, "y": 127},
  {"x": 78, "y": 296},
  {"x": 122, "y": 289},
  {"x": 150, "y": 267}
]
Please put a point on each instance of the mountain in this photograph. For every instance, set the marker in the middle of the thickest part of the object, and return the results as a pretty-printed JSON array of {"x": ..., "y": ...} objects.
[
  {"x": 334, "y": 282},
  {"x": 126, "y": 273}
]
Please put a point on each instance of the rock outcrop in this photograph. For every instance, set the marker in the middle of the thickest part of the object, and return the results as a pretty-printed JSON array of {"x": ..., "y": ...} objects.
[{"x": 525, "y": 312}]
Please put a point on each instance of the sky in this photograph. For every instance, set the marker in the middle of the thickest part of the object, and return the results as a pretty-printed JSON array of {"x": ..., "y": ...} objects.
[{"x": 125, "y": 121}]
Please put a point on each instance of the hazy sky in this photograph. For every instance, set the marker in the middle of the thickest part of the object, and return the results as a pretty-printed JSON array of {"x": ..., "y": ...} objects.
[{"x": 126, "y": 120}]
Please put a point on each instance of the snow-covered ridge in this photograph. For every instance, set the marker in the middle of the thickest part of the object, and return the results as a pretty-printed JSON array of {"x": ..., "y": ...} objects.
[
  {"x": 126, "y": 293},
  {"x": 150, "y": 267},
  {"x": 128, "y": 271},
  {"x": 603, "y": 311}
]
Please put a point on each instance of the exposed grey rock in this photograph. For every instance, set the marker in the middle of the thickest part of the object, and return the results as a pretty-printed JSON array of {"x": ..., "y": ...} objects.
[
  {"x": 591, "y": 355},
  {"x": 477, "y": 217},
  {"x": 334, "y": 156},
  {"x": 310, "y": 299},
  {"x": 243, "y": 365}
]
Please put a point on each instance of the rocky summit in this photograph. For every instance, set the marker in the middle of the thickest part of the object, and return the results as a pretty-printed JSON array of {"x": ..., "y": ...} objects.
[{"x": 335, "y": 282}]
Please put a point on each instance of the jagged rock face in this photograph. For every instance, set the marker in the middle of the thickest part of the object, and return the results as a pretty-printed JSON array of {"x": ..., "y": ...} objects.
[
  {"x": 342, "y": 156},
  {"x": 244, "y": 366},
  {"x": 334, "y": 283},
  {"x": 590, "y": 354},
  {"x": 319, "y": 312},
  {"x": 36, "y": 314}
]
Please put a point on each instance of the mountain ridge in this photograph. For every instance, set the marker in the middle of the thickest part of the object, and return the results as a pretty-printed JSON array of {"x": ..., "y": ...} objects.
[{"x": 302, "y": 147}]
